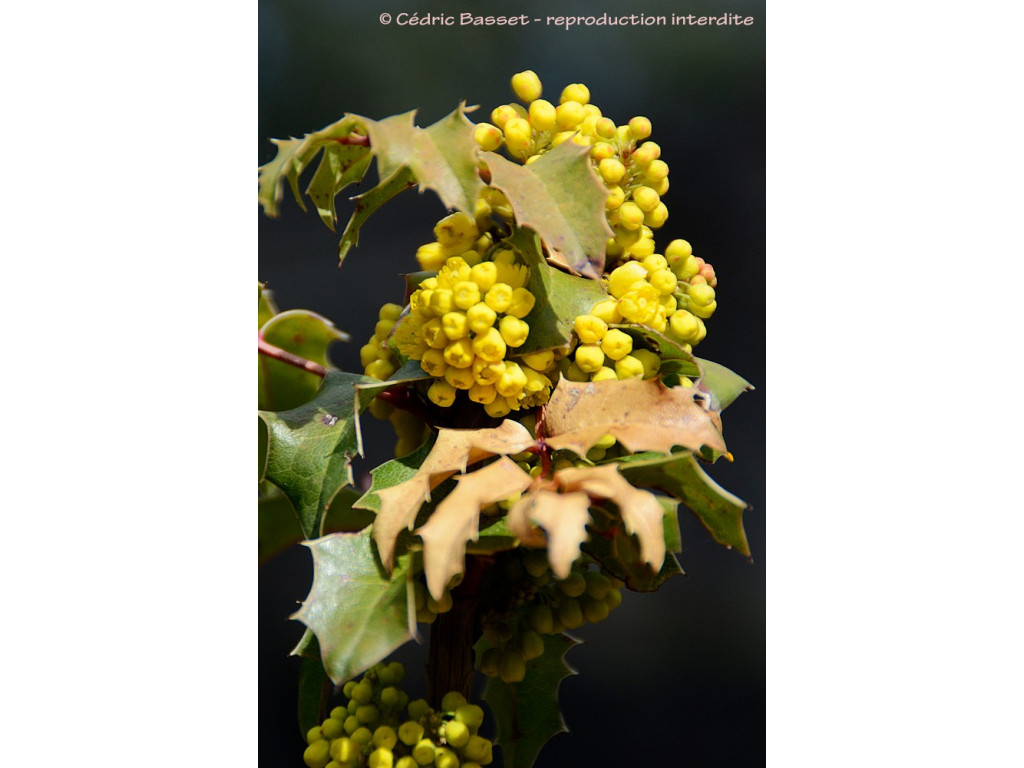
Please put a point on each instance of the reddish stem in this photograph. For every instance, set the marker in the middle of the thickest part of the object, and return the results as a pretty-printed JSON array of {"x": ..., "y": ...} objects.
[
  {"x": 542, "y": 445},
  {"x": 268, "y": 349}
]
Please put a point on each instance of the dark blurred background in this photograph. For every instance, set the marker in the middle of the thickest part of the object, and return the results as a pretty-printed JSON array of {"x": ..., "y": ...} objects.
[{"x": 671, "y": 678}]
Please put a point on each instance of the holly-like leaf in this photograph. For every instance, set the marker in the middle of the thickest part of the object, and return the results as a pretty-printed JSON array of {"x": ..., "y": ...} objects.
[
  {"x": 560, "y": 197},
  {"x": 560, "y": 297},
  {"x": 310, "y": 447},
  {"x": 681, "y": 476},
  {"x": 367, "y": 203},
  {"x": 670, "y": 524},
  {"x": 358, "y": 614},
  {"x": 441, "y": 157},
  {"x": 457, "y": 519},
  {"x": 451, "y": 453},
  {"x": 674, "y": 359},
  {"x": 643, "y": 415},
  {"x": 640, "y": 511},
  {"x": 295, "y": 155},
  {"x": 340, "y": 165},
  {"x": 527, "y": 712},
  {"x": 303, "y": 333},
  {"x": 564, "y": 518},
  {"x": 721, "y": 384}
]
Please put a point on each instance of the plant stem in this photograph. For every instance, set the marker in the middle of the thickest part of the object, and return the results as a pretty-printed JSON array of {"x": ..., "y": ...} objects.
[
  {"x": 268, "y": 349},
  {"x": 450, "y": 662}
]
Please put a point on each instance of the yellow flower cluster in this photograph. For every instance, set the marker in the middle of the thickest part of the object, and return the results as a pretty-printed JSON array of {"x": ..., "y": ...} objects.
[
  {"x": 462, "y": 326},
  {"x": 630, "y": 166}
]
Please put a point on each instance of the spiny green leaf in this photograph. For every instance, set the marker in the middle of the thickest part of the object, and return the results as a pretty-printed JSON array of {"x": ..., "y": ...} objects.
[
  {"x": 441, "y": 157},
  {"x": 358, "y": 614},
  {"x": 674, "y": 359},
  {"x": 561, "y": 198},
  {"x": 560, "y": 297},
  {"x": 278, "y": 526},
  {"x": 681, "y": 476},
  {"x": 340, "y": 165},
  {"x": 670, "y": 523},
  {"x": 310, "y": 447},
  {"x": 527, "y": 712},
  {"x": 723, "y": 385},
  {"x": 295, "y": 155},
  {"x": 367, "y": 203},
  {"x": 303, "y": 333}
]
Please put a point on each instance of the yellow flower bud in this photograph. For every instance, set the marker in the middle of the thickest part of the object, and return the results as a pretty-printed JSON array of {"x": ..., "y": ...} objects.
[
  {"x": 497, "y": 408},
  {"x": 367, "y": 354},
  {"x": 513, "y": 330},
  {"x": 380, "y": 369},
  {"x": 607, "y": 310},
  {"x": 487, "y": 371},
  {"x": 642, "y": 248},
  {"x": 499, "y": 297},
  {"x": 604, "y": 373},
  {"x": 454, "y": 325},
  {"x": 629, "y": 368},
  {"x": 441, "y": 301},
  {"x": 685, "y": 326},
  {"x": 590, "y": 329},
  {"x": 433, "y": 362},
  {"x": 575, "y": 373},
  {"x": 630, "y": 215},
  {"x": 656, "y": 218},
  {"x": 433, "y": 333},
  {"x": 390, "y": 312},
  {"x": 535, "y": 382},
  {"x": 512, "y": 381},
  {"x": 482, "y": 393},
  {"x": 487, "y": 136},
  {"x": 542, "y": 115},
  {"x": 460, "y": 378},
  {"x": 625, "y": 278},
  {"x": 490, "y": 345},
  {"x": 664, "y": 281},
  {"x": 568, "y": 116},
  {"x": 480, "y": 317},
  {"x": 589, "y": 357},
  {"x": 640, "y": 128},
  {"x": 611, "y": 170},
  {"x": 601, "y": 150},
  {"x": 522, "y": 303},
  {"x": 577, "y": 92},
  {"x": 616, "y": 344},
  {"x": 457, "y": 229},
  {"x": 704, "y": 310},
  {"x": 527, "y": 85},
  {"x": 640, "y": 304},
  {"x": 616, "y": 197},
  {"x": 501, "y": 115},
  {"x": 540, "y": 361},
  {"x": 430, "y": 256},
  {"x": 656, "y": 171},
  {"x": 484, "y": 275},
  {"x": 466, "y": 294},
  {"x": 441, "y": 393},
  {"x": 459, "y": 353}
]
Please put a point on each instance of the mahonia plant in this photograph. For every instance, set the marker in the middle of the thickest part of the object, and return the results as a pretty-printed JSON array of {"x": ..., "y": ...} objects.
[{"x": 551, "y": 417}]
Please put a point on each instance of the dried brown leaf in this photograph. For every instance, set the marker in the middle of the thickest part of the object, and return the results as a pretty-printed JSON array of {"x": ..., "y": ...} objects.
[
  {"x": 643, "y": 415},
  {"x": 457, "y": 519},
  {"x": 641, "y": 513},
  {"x": 453, "y": 451},
  {"x": 563, "y": 516}
]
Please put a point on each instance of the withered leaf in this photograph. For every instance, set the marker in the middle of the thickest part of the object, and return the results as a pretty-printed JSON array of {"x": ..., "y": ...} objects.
[
  {"x": 643, "y": 415},
  {"x": 457, "y": 519},
  {"x": 453, "y": 451},
  {"x": 563, "y": 516},
  {"x": 641, "y": 513}
]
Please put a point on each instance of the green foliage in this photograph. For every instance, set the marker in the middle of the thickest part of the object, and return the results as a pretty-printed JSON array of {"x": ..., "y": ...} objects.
[
  {"x": 358, "y": 613},
  {"x": 305, "y": 334},
  {"x": 560, "y": 198},
  {"x": 723, "y": 385},
  {"x": 560, "y": 296},
  {"x": 527, "y": 712},
  {"x": 682, "y": 477}
]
